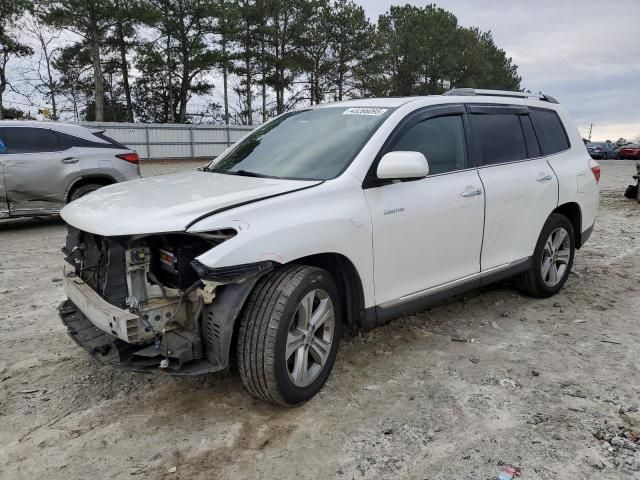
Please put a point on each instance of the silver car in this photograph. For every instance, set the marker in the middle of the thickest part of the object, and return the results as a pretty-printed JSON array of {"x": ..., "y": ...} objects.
[{"x": 43, "y": 166}]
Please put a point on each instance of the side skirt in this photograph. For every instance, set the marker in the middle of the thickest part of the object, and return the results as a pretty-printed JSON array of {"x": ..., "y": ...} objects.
[{"x": 379, "y": 315}]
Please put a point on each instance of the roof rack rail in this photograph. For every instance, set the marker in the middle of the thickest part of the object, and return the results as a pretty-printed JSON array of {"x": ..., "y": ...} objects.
[{"x": 499, "y": 93}]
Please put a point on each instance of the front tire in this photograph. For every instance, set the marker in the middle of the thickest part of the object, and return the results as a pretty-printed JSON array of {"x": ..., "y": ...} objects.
[
  {"x": 552, "y": 259},
  {"x": 289, "y": 334}
]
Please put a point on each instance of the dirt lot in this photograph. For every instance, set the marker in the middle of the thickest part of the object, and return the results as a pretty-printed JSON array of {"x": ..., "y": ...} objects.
[{"x": 542, "y": 387}]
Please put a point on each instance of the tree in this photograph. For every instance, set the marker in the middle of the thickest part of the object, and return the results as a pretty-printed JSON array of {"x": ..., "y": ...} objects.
[
  {"x": 251, "y": 16},
  {"x": 184, "y": 27},
  {"x": 226, "y": 14},
  {"x": 126, "y": 16},
  {"x": 423, "y": 51},
  {"x": 10, "y": 46},
  {"x": 281, "y": 29},
  {"x": 90, "y": 20},
  {"x": 352, "y": 40},
  {"x": 315, "y": 60},
  {"x": 75, "y": 83},
  {"x": 153, "y": 101},
  {"x": 41, "y": 77}
]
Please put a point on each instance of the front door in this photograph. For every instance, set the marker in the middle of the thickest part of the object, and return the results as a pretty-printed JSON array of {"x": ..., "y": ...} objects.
[
  {"x": 427, "y": 232},
  {"x": 35, "y": 170}
]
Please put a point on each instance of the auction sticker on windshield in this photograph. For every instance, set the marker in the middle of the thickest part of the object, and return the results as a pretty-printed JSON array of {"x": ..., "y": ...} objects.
[{"x": 365, "y": 111}]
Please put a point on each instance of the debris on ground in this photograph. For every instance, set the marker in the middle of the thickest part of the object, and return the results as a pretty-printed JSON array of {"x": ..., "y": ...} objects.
[{"x": 508, "y": 473}]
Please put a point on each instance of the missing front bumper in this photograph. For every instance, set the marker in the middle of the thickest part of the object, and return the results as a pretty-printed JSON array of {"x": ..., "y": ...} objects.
[{"x": 110, "y": 350}]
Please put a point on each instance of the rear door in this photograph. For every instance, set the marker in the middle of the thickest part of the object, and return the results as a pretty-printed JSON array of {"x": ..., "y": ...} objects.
[
  {"x": 521, "y": 187},
  {"x": 36, "y": 169}
]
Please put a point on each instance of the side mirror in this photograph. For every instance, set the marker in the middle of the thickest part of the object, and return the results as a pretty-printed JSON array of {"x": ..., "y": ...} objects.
[{"x": 396, "y": 165}]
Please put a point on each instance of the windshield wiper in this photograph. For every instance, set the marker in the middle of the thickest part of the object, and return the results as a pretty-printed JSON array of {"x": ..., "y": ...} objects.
[
  {"x": 246, "y": 173},
  {"x": 240, "y": 173}
]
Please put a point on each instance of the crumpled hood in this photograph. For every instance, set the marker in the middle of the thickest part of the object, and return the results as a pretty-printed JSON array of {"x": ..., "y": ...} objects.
[{"x": 168, "y": 203}]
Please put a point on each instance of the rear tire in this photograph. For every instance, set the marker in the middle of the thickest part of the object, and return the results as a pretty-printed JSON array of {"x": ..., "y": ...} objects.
[
  {"x": 83, "y": 190},
  {"x": 289, "y": 334},
  {"x": 552, "y": 259}
]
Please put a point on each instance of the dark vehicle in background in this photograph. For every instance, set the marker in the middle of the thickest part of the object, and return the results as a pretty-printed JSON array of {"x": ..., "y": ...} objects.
[
  {"x": 44, "y": 166},
  {"x": 630, "y": 152},
  {"x": 602, "y": 150}
]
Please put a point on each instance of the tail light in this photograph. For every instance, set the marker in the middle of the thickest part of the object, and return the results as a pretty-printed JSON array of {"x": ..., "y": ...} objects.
[
  {"x": 595, "y": 169},
  {"x": 129, "y": 157}
]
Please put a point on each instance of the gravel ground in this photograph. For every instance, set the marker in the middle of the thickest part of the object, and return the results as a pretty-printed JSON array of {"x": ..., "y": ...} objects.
[{"x": 551, "y": 386}]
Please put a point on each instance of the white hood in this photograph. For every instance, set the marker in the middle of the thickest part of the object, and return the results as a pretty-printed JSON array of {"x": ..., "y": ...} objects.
[{"x": 168, "y": 203}]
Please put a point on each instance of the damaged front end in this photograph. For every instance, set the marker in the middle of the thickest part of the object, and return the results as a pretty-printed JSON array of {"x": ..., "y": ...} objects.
[{"x": 147, "y": 304}]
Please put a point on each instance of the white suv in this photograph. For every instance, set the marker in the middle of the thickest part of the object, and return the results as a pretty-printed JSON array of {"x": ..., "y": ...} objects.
[{"x": 338, "y": 216}]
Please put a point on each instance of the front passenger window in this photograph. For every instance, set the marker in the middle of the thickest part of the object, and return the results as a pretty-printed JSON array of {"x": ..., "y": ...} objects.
[{"x": 440, "y": 139}]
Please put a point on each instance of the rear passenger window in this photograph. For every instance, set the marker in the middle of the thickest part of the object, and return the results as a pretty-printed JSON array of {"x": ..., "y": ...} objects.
[
  {"x": 533, "y": 148},
  {"x": 30, "y": 140},
  {"x": 551, "y": 134},
  {"x": 500, "y": 138},
  {"x": 441, "y": 140}
]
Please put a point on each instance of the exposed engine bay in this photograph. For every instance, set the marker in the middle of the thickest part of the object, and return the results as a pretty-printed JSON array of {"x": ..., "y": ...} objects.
[{"x": 161, "y": 311}]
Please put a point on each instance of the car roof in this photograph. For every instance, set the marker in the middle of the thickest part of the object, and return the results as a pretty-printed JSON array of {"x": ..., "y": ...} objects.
[
  {"x": 68, "y": 128},
  {"x": 394, "y": 102}
]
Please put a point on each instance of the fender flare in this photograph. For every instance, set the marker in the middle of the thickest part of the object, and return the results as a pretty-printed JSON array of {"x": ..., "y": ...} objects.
[{"x": 219, "y": 319}]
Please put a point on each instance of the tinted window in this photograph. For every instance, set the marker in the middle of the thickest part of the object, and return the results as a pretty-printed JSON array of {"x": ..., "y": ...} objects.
[
  {"x": 500, "y": 138},
  {"x": 30, "y": 140},
  {"x": 533, "y": 148},
  {"x": 551, "y": 134},
  {"x": 111, "y": 141},
  {"x": 69, "y": 141},
  {"x": 440, "y": 139}
]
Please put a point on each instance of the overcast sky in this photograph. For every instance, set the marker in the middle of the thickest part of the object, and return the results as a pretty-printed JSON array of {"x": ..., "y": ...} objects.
[{"x": 586, "y": 53}]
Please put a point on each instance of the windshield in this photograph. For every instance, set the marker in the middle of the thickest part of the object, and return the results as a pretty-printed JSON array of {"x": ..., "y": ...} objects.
[{"x": 308, "y": 144}]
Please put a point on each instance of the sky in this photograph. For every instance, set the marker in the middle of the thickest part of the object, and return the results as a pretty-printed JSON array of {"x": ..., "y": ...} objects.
[{"x": 585, "y": 53}]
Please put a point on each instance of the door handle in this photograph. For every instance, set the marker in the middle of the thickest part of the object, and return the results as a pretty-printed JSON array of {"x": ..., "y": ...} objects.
[
  {"x": 542, "y": 177},
  {"x": 471, "y": 193},
  {"x": 69, "y": 160}
]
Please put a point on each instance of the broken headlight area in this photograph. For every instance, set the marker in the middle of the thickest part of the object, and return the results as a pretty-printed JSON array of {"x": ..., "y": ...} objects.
[
  {"x": 159, "y": 297},
  {"x": 233, "y": 274}
]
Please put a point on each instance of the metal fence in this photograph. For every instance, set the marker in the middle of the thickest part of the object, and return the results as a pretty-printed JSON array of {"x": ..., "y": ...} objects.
[{"x": 155, "y": 140}]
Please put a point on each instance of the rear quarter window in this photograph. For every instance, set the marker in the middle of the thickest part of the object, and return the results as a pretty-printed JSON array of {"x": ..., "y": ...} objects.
[{"x": 550, "y": 131}]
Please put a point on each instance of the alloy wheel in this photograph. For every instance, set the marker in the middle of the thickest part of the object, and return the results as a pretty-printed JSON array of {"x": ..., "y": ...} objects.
[
  {"x": 555, "y": 257},
  {"x": 310, "y": 337}
]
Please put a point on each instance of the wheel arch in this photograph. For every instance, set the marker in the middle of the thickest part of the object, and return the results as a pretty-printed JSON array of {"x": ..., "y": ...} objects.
[
  {"x": 573, "y": 212},
  {"x": 221, "y": 341},
  {"x": 347, "y": 280},
  {"x": 99, "y": 179}
]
